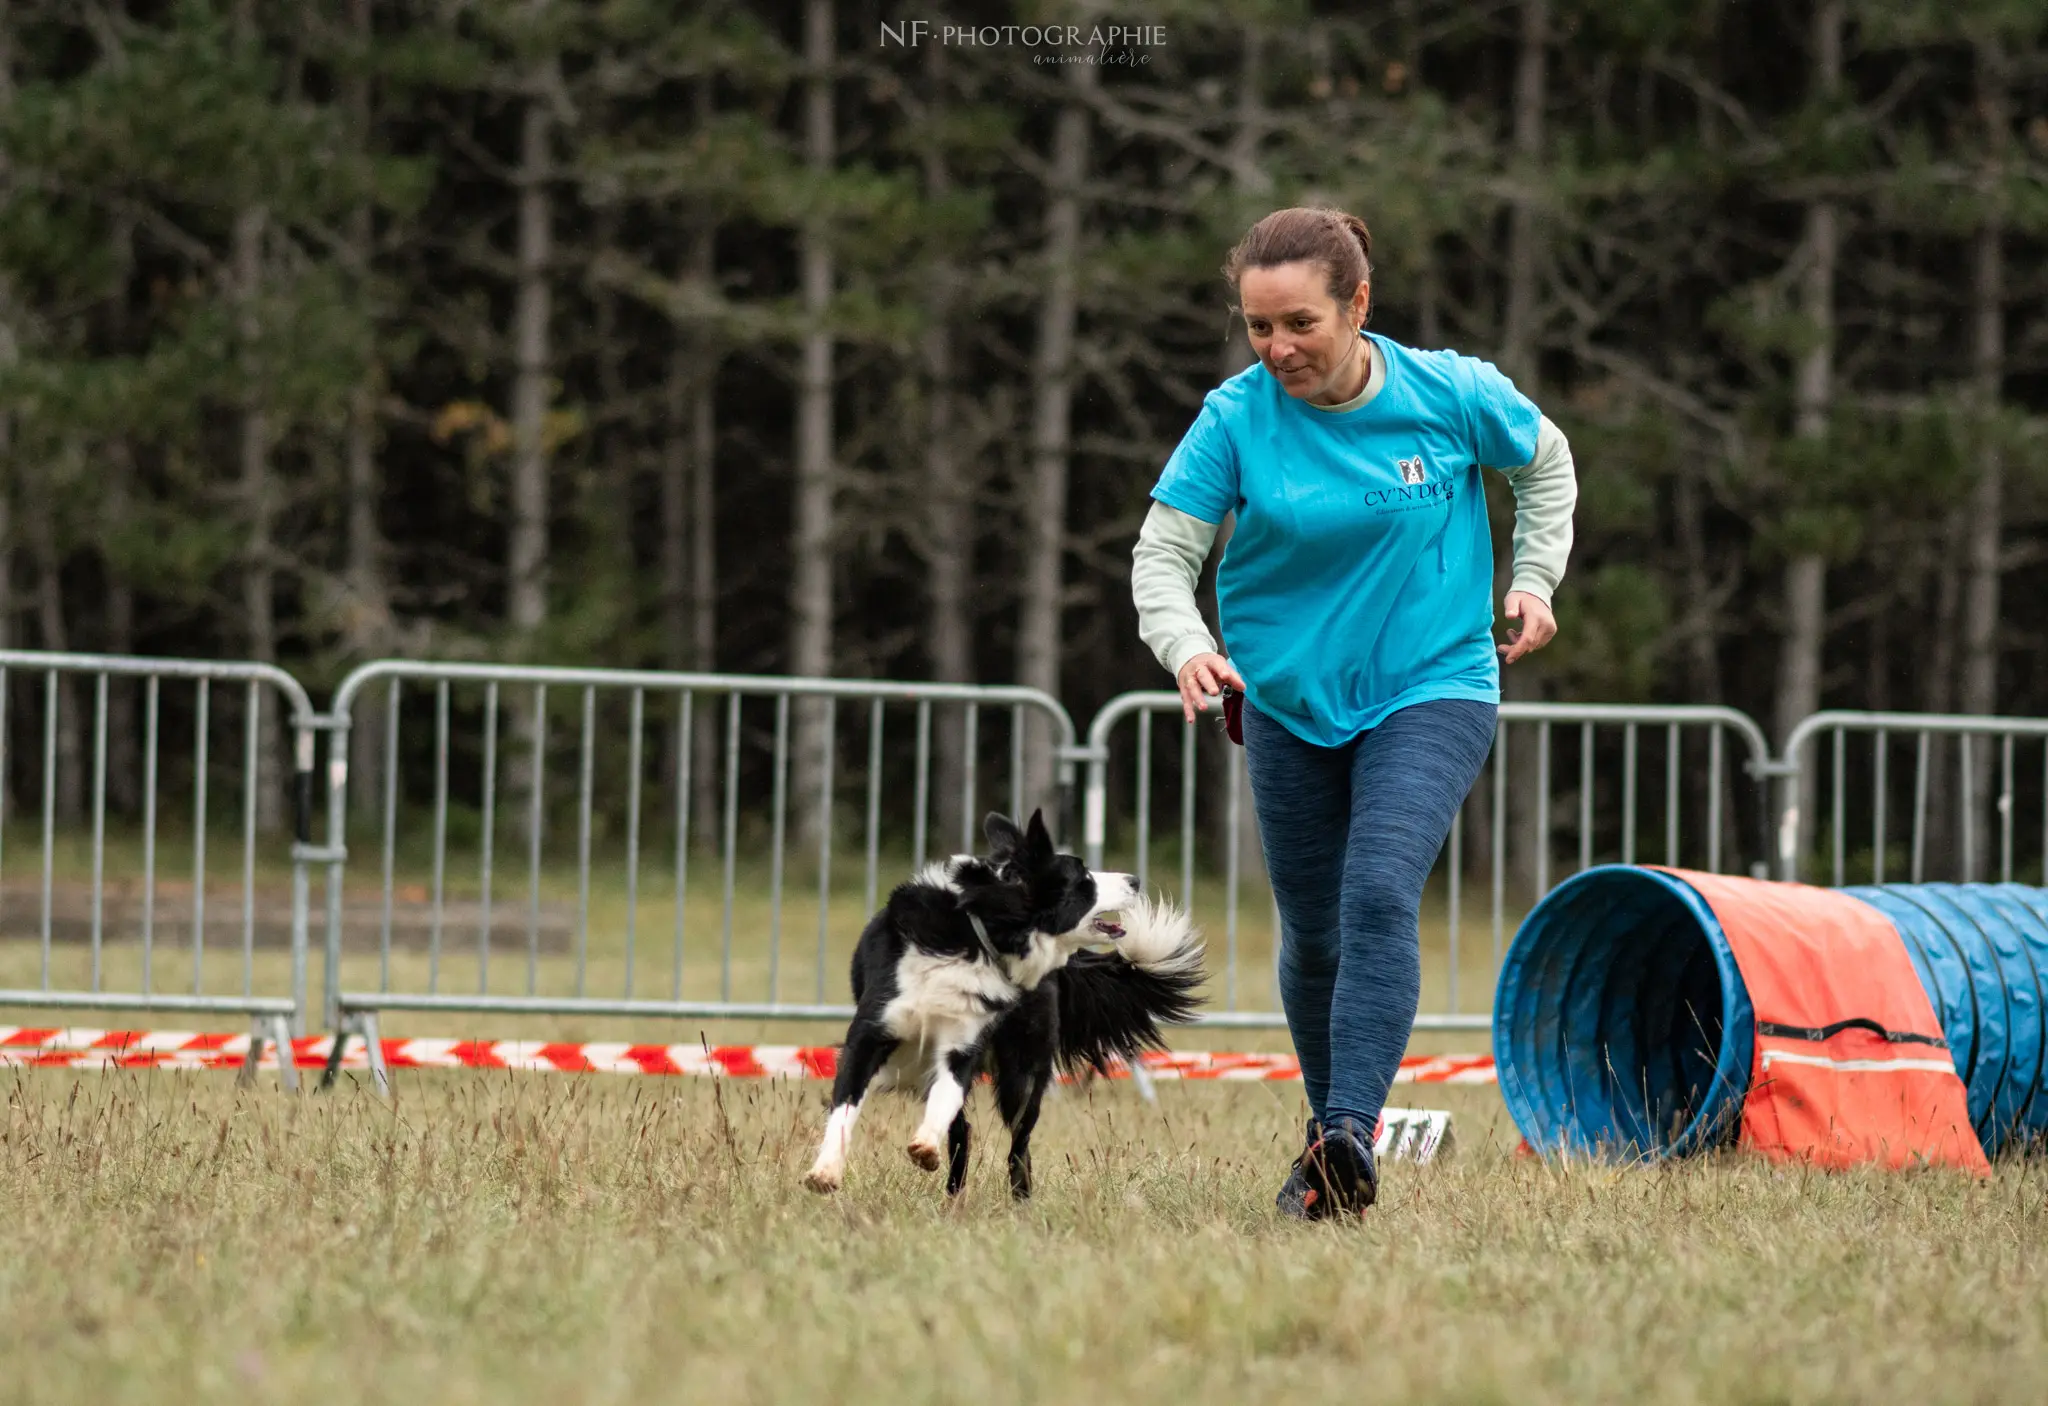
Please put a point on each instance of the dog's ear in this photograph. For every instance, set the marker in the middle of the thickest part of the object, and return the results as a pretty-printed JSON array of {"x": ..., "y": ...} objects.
[
  {"x": 1004, "y": 838},
  {"x": 1037, "y": 839}
]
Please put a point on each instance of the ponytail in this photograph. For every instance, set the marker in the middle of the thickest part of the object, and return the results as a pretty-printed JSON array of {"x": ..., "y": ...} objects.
[{"x": 1336, "y": 239}]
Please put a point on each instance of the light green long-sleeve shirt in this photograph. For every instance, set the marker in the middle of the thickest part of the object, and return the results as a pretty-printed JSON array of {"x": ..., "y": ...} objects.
[{"x": 1166, "y": 565}]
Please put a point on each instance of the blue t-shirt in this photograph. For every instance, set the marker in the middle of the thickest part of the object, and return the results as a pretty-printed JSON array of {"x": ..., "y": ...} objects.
[{"x": 1359, "y": 578}]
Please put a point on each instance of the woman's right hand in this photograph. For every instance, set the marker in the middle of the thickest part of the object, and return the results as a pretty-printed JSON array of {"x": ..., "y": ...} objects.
[{"x": 1203, "y": 677}]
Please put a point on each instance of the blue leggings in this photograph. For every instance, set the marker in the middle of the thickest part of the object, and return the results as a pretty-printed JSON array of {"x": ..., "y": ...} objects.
[{"x": 1351, "y": 834}]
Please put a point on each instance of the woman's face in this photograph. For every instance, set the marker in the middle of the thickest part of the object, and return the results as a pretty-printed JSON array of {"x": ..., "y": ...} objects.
[{"x": 1306, "y": 339}]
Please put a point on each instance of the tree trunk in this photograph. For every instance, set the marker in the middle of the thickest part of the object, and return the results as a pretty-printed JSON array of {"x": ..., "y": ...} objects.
[
  {"x": 1520, "y": 310},
  {"x": 124, "y": 766},
  {"x": 812, "y": 557},
  {"x": 1799, "y": 662},
  {"x": 259, "y": 572},
  {"x": 704, "y": 575},
  {"x": 688, "y": 548},
  {"x": 527, "y": 600},
  {"x": 1805, "y": 591},
  {"x": 10, "y": 471},
  {"x": 526, "y": 596},
  {"x": 1429, "y": 273},
  {"x": 1986, "y": 510},
  {"x": 124, "y": 752},
  {"x": 675, "y": 513},
  {"x": 949, "y": 520},
  {"x": 606, "y": 501},
  {"x": 1429, "y": 320},
  {"x": 366, "y": 621},
  {"x": 1250, "y": 178},
  {"x": 1702, "y": 632},
  {"x": 367, "y": 632},
  {"x": 684, "y": 647},
  {"x": 259, "y": 577},
  {"x": 1941, "y": 850},
  {"x": 689, "y": 562},
  {"x": 1052, "y": 387},
  {"x": 1519, "y": 317},
  {"x": 71, "y": 774},
  {"x": 950, "y": 563},
  {"x": 1248, "y": 129}
]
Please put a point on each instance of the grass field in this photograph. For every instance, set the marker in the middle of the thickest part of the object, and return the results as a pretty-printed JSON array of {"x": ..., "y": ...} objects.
[
  {"x": 555, "y": 1239},
  {"x": 511, "y": 1238}
]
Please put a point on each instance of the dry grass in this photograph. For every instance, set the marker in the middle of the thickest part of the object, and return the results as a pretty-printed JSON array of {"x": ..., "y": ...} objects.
[{"x": 555, "y": 1238}]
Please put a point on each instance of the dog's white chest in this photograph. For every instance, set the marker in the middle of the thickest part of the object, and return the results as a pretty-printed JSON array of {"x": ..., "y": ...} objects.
[{"x": 943, "y": 1001}]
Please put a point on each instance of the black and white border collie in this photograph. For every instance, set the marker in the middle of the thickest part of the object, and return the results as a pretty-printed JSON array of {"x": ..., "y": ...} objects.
[{"x": 981, "y": 964}]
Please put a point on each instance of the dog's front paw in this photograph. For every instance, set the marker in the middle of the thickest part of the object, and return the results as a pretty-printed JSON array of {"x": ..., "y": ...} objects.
[
  {"x": 926, "y": 1153},
  {"x": 824, "y": 1180}
]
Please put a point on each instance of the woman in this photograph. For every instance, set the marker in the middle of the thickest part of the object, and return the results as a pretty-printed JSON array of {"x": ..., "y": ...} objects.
[{"x": 1355, "y": 595}]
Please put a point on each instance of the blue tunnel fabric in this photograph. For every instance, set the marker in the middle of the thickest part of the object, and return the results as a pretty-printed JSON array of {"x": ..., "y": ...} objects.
[
  {"x": 1621, "y": 1023},
  {"x": 1982, "y": 953}
]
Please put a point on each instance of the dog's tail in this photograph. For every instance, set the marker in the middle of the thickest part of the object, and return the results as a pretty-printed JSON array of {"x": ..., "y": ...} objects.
[{"x": 1111, "y": 1004}]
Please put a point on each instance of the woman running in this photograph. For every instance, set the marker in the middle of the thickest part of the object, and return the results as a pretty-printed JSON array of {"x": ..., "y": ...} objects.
[{"x": 1355, "y": 594}]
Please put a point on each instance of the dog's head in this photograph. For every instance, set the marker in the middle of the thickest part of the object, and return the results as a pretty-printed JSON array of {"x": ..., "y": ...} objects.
[{"x": 1060, "y": 895}]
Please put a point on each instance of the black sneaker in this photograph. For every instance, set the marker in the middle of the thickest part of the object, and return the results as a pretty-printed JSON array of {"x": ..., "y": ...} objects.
[
  {"x": 1298, "y": 1199},
  {"x": 1343, "y": 1177}
]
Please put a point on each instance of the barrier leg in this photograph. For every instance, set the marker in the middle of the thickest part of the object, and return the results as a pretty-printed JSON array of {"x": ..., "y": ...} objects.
[
  {"x": 345, "y": 1029},
  {"x": 1142, "y": 1077},
  {"x": 287, "y": 1057},
  {"x": 379, "y": 1075}
]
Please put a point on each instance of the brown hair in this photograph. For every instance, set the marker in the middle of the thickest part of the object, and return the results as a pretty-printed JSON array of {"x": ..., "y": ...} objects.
[{"x": 1337, "y": 240}]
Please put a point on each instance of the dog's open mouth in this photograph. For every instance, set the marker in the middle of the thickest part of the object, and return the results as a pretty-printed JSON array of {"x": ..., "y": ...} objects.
[{"x": 1107, "y": 926}]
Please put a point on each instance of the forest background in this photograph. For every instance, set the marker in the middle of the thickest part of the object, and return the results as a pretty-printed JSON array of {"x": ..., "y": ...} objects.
[{"x": 788, "y": 338}]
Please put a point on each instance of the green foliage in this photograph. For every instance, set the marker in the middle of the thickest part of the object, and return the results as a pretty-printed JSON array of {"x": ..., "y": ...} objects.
[
  {"x": 185, "y": 115},
  {"x": 177, "y": 551},
  {"x": 1624, "y": 466},
  {"x": 1614, "y": 632}
]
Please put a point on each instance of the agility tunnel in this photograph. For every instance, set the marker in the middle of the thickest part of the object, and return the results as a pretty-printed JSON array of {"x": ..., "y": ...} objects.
[{"x": 1655, "y": 1013}]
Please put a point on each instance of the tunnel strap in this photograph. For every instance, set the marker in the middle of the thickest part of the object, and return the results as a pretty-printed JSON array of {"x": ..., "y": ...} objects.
[{"x": 1819, "y": 1033}]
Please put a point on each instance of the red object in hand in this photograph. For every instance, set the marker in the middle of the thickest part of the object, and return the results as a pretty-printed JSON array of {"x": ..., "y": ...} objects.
[{"x": 1233, "y": 715}]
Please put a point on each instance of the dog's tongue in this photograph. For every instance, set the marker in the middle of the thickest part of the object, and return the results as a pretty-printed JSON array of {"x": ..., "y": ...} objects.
[{"x": 1109, "y": 927}]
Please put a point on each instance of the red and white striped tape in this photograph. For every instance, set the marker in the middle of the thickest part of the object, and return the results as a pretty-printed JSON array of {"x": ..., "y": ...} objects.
[{"x": 76, "y": 1048}]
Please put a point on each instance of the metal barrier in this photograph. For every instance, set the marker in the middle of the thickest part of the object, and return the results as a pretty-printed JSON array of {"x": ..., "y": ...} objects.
[
  {"x": 98, "y": 950},
  {"x": 1959, "y": 795},
  {"x": 670, "y": 756},
  {"x": 1516, "y": 833},
  {"x": 659, "y": 733}
]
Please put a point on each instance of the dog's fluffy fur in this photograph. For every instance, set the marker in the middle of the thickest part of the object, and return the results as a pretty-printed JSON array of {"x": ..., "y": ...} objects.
[{"x": 937, "y": 1002}]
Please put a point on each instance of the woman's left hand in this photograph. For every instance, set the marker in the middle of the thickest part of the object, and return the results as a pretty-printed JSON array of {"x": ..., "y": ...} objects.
[{"x": 1539, "y": 626}]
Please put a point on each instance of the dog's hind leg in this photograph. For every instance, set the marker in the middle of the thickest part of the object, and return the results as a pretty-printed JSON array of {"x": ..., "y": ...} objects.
[
  {"x": 1022, "y": 1050},
  {"x": 1020, "y": 1102},
  {"x": 943, "y": 1104},
  {"x": 867, "y": 1048},
  {"x": 957, "y": 1140}
]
